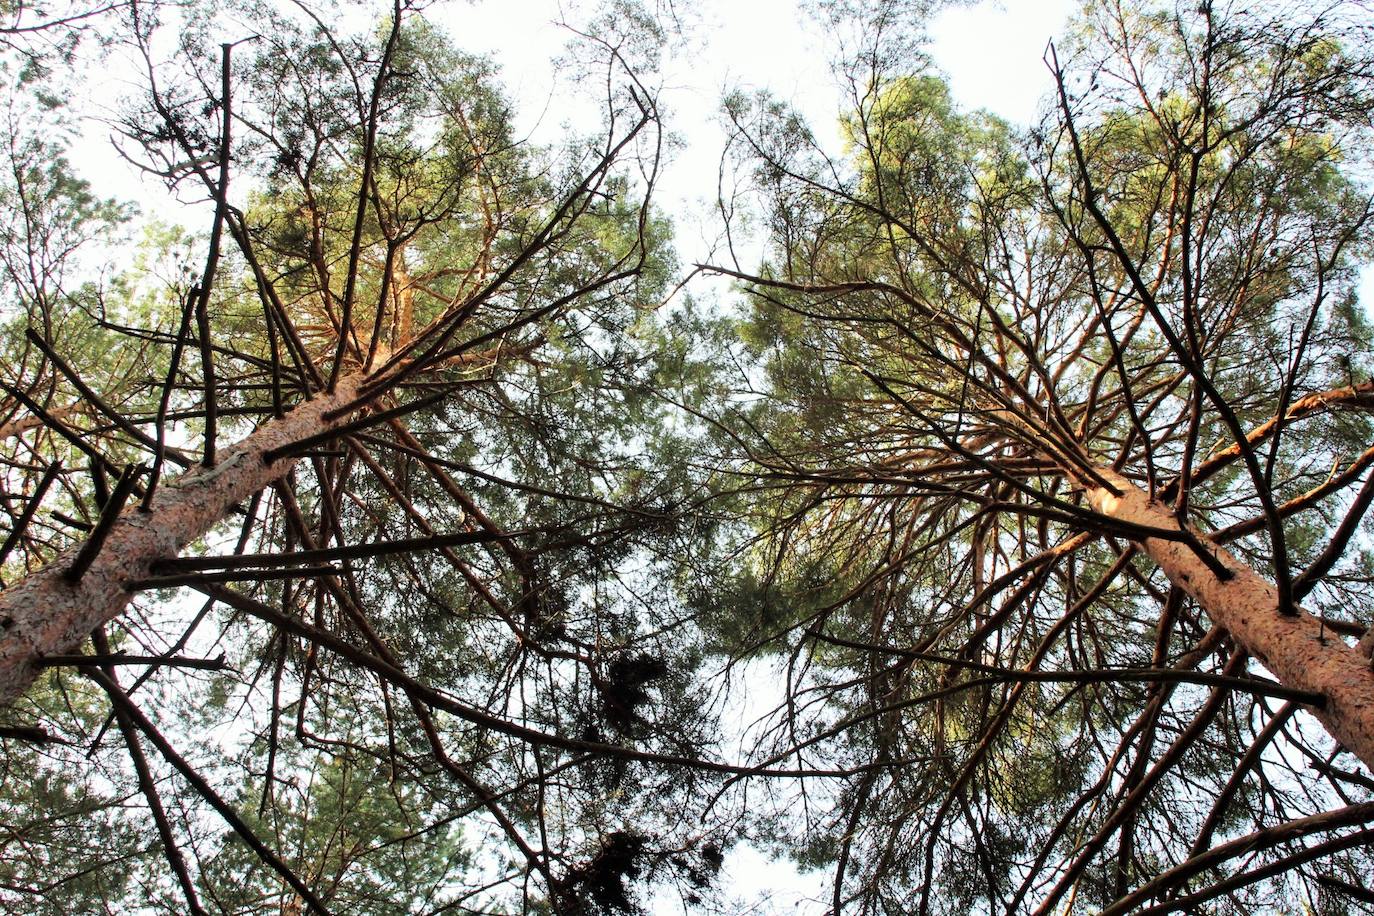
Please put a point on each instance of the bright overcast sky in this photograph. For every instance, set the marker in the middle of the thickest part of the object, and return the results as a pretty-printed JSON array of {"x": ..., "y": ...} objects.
[{"x": 991, "y": 53}]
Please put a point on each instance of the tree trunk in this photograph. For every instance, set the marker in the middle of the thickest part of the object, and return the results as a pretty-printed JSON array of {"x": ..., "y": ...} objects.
[
  {"x": 45, "y": 614},
  {"x": 1293, "y": 647}
]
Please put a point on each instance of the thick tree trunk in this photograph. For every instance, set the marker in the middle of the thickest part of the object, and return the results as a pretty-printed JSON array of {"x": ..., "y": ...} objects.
[
  {"x": 1293, "y": 647},
  {"x": 45, "y": 614}
]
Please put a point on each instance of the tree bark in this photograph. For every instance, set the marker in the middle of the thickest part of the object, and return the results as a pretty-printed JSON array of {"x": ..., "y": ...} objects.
[
  {"x": 1293, "y": 647},
  {"x": 46, "y": 614}
]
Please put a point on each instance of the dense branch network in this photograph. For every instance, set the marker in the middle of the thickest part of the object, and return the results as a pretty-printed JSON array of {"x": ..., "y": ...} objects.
[
  {"x": 1037, "y": 413},
  {"x": 395, "y": 537},
  {"x": 411, "y": 322}
]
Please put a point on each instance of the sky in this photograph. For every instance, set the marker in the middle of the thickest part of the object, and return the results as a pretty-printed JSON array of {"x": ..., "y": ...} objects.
[{"x": 991, "y": 53}]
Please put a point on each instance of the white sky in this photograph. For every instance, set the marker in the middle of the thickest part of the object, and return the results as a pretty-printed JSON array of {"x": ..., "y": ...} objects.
[
  {"x": 992, "y": 54},
  {"x": 991, "y": 51}
]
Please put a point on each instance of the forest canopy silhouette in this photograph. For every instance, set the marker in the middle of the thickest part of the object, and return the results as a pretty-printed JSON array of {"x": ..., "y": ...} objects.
[{"x": 429, "y": 523}]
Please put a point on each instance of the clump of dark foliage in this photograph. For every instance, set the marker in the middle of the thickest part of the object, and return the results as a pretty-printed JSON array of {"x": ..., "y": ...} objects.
[
  {"x": 599, "y": 885},
  {"x": 700, "y": 871},
  {"x": 625, "y": 688}
]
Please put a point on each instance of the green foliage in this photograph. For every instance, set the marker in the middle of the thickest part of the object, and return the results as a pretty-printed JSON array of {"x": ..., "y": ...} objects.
[
  {"x": 369, "y": 838},
  {"x": 71, "y": 841},
  {"x": 949, "y": 319}
]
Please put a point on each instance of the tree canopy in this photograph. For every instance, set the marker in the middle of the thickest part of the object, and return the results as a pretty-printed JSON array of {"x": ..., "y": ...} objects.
[{"x": 425, "y": 533}]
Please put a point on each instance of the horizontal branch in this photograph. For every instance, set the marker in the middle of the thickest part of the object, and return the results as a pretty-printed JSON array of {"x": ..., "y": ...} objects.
[
  {"x": 237, "y": 575},
  {"x": 331, "y": 554},
  {"x": 119, "y": 658},
  {"x": 30, "y": 733},
  {"x": 1258, "y": 686}
]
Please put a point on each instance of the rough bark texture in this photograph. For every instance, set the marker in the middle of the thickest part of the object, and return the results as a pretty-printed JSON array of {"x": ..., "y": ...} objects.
[
  {"x": 44, "y": 614},
  {"x": 1292, "y": 647}
]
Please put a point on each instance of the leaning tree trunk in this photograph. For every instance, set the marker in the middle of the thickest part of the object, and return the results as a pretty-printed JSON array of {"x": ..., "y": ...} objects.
[
  {"x": 47, "y": 613},
  {"x": 1294, "y": 647}
]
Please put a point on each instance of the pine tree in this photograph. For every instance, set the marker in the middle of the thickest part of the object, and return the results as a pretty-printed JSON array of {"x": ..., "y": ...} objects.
[
  {"x": 430, "y": 345},
  {"x": 1064, "y": 451}
]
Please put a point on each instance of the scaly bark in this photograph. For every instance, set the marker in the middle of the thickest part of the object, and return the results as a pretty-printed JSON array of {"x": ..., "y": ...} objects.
[
  {"x": 1293, "y": 647},
  {"x": 45, "y": 614}
]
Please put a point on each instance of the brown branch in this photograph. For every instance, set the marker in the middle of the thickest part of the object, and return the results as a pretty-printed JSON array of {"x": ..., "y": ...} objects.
[
  {"x": 204, "y": 790},
  {"x": 1336, "y": 546},
  {"x": 109, "y": 514},
  {"x": 146, "y": 783},
  {"x": 108, "y": 659},
  {"x": 21, "y": 524},
  {"x": 1361, "y": 395},
  {"x": 1249, "y": 844}
]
